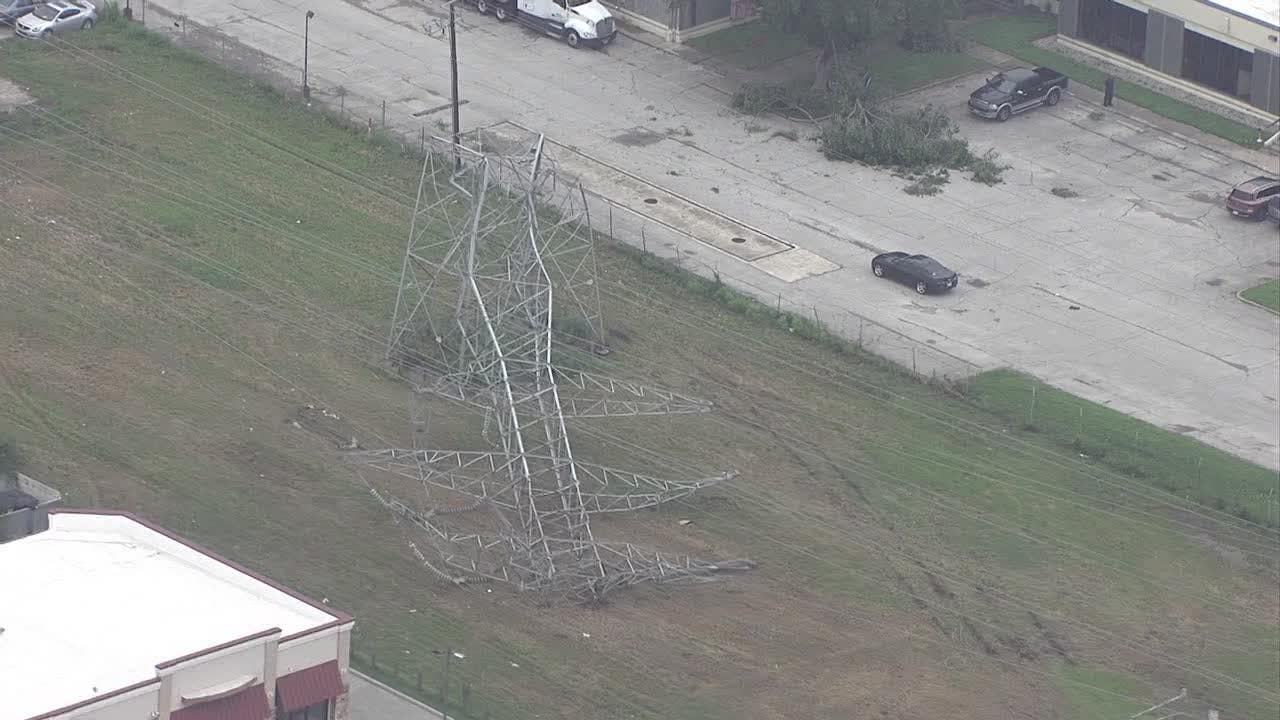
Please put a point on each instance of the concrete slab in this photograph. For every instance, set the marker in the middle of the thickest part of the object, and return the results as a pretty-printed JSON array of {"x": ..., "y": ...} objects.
[
  {"x": 653, "y": 202},
  {"x": 795, "y": 264}
]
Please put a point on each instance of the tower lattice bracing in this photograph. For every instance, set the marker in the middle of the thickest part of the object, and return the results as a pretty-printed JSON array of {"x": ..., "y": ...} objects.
[{"x": 498, "y": 279}]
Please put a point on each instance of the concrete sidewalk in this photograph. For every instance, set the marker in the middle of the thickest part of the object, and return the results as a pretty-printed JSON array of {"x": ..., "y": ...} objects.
[
  {"x": 371, "y": 700},
  {"x": 1125, "y": 296}
]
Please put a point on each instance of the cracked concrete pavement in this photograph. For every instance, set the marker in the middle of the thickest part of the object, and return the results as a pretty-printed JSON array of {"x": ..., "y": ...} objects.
[{"x": 1123, "y": 291}]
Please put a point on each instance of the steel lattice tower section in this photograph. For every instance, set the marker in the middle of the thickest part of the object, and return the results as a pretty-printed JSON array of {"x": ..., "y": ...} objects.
[{"x": 475, "y": 322}]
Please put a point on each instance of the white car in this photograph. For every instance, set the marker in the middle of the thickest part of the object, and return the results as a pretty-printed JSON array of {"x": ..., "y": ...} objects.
[{"x": 58, "y": 16}]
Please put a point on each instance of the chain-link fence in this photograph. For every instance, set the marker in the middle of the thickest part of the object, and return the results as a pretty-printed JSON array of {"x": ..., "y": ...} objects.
[
  {"x": 610, "y": 218},
  {"x": 1134, "y": 456}
]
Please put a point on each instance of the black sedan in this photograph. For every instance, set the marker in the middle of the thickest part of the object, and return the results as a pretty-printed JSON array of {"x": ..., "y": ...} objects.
[{"x": 922, "y": 272}]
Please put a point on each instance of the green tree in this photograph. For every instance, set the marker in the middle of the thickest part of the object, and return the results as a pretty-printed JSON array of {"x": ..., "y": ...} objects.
[
  {"x": 833, "y": 25},
  {"x": 837, "y": 26},
  {"x": 922, "y": 24}
]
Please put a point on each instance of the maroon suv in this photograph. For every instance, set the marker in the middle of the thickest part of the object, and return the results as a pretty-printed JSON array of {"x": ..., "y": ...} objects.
[{"x": 1250, "y": 198}]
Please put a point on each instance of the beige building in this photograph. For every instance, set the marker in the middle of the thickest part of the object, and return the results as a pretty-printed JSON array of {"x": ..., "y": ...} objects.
[
  {"x": 105, "y": 616},
  {"x": 1227, "y": 50}
]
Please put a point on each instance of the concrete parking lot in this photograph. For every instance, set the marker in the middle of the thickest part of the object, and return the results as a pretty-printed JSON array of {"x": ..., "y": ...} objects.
[
  {"x": 1122, "y": 292},
  {"x": 1122, "y": 286}
]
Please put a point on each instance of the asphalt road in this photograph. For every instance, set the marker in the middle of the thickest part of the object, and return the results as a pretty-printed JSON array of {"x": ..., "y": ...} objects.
[{"x": 1124, "y": 293}]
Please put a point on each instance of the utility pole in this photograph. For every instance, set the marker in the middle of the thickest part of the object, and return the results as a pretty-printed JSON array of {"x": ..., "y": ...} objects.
[
  {"x": 453, "y": 74},
  {"x": 306, "y": 51}
]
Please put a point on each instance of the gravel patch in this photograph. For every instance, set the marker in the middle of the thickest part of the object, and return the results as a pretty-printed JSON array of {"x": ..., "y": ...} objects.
[{"x": 12, "y": 97}]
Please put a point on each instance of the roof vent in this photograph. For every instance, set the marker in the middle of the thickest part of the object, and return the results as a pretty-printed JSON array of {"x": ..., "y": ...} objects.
[{"x": 24, "y": 506}]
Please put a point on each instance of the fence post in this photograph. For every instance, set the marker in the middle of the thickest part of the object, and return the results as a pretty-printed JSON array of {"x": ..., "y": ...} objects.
[
  {"x": 861, "y": 323},
  {"x": 1031, "y": 416},
  {"x": 384, "y": 112},
  {"x": 914, "y": 371},
  {"x": 816, "y": 321}
]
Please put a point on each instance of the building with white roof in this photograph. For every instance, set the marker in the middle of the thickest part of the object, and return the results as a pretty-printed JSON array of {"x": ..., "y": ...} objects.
[
  {"x": 105, "y": 616},
  {"x": 1226, "y": 50}
]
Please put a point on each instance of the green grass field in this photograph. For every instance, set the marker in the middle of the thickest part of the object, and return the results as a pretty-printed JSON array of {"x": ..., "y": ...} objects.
[
  {"x": 751, "y": 46},
  {"x": 1137, "y": 450},
  {"x": 1267, "y": 295},
  {"x": 1015, "y": 35},
  {"x": 189, "y": 261}
]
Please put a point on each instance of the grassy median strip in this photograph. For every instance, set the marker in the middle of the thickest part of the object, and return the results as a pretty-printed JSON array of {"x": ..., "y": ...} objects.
[
  {"x": 193, "y": 266},
  {"x": 1138, "y": 450},
  {"x": 1267, "y": 295},
  {"x": 1016, "y": 35}
]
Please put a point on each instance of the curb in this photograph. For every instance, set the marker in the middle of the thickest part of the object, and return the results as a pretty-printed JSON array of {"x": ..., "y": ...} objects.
[
  {"x": 388, "y": 689},
  {"x": 1173, "y": 133},
  {"x": 935, "y": 83},
  {"x": 1240, "y": 296}
]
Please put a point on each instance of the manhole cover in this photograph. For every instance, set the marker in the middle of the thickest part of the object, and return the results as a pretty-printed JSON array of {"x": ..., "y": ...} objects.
[
  {"x": 651, "y": 201},
  {"x": 738, "y": 240}
]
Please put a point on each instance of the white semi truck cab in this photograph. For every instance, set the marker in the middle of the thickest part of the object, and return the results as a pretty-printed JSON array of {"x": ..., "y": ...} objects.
[{"x": 577, "y": 22}]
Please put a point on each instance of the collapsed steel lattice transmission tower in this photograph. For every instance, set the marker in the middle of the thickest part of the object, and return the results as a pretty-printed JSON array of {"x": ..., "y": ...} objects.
[{"x": 494, "y": 240}]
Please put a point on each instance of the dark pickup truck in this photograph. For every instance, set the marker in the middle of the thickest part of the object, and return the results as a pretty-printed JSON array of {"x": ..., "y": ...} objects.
[{"x": 1017, "y": 90}]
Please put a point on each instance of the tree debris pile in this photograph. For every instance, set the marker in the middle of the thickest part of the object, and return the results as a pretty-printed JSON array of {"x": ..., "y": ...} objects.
[
  {"x": 923, "y": 141},
  {"x": 856, "y": 126},
  {"x": 755, "y": 98},
  {"x": 906, "y": 141}
]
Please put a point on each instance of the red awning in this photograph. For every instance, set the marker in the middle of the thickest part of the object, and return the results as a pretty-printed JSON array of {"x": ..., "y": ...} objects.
[
  {"x": 308, "y": 687},
  {"x": 248, "y": 704}
]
